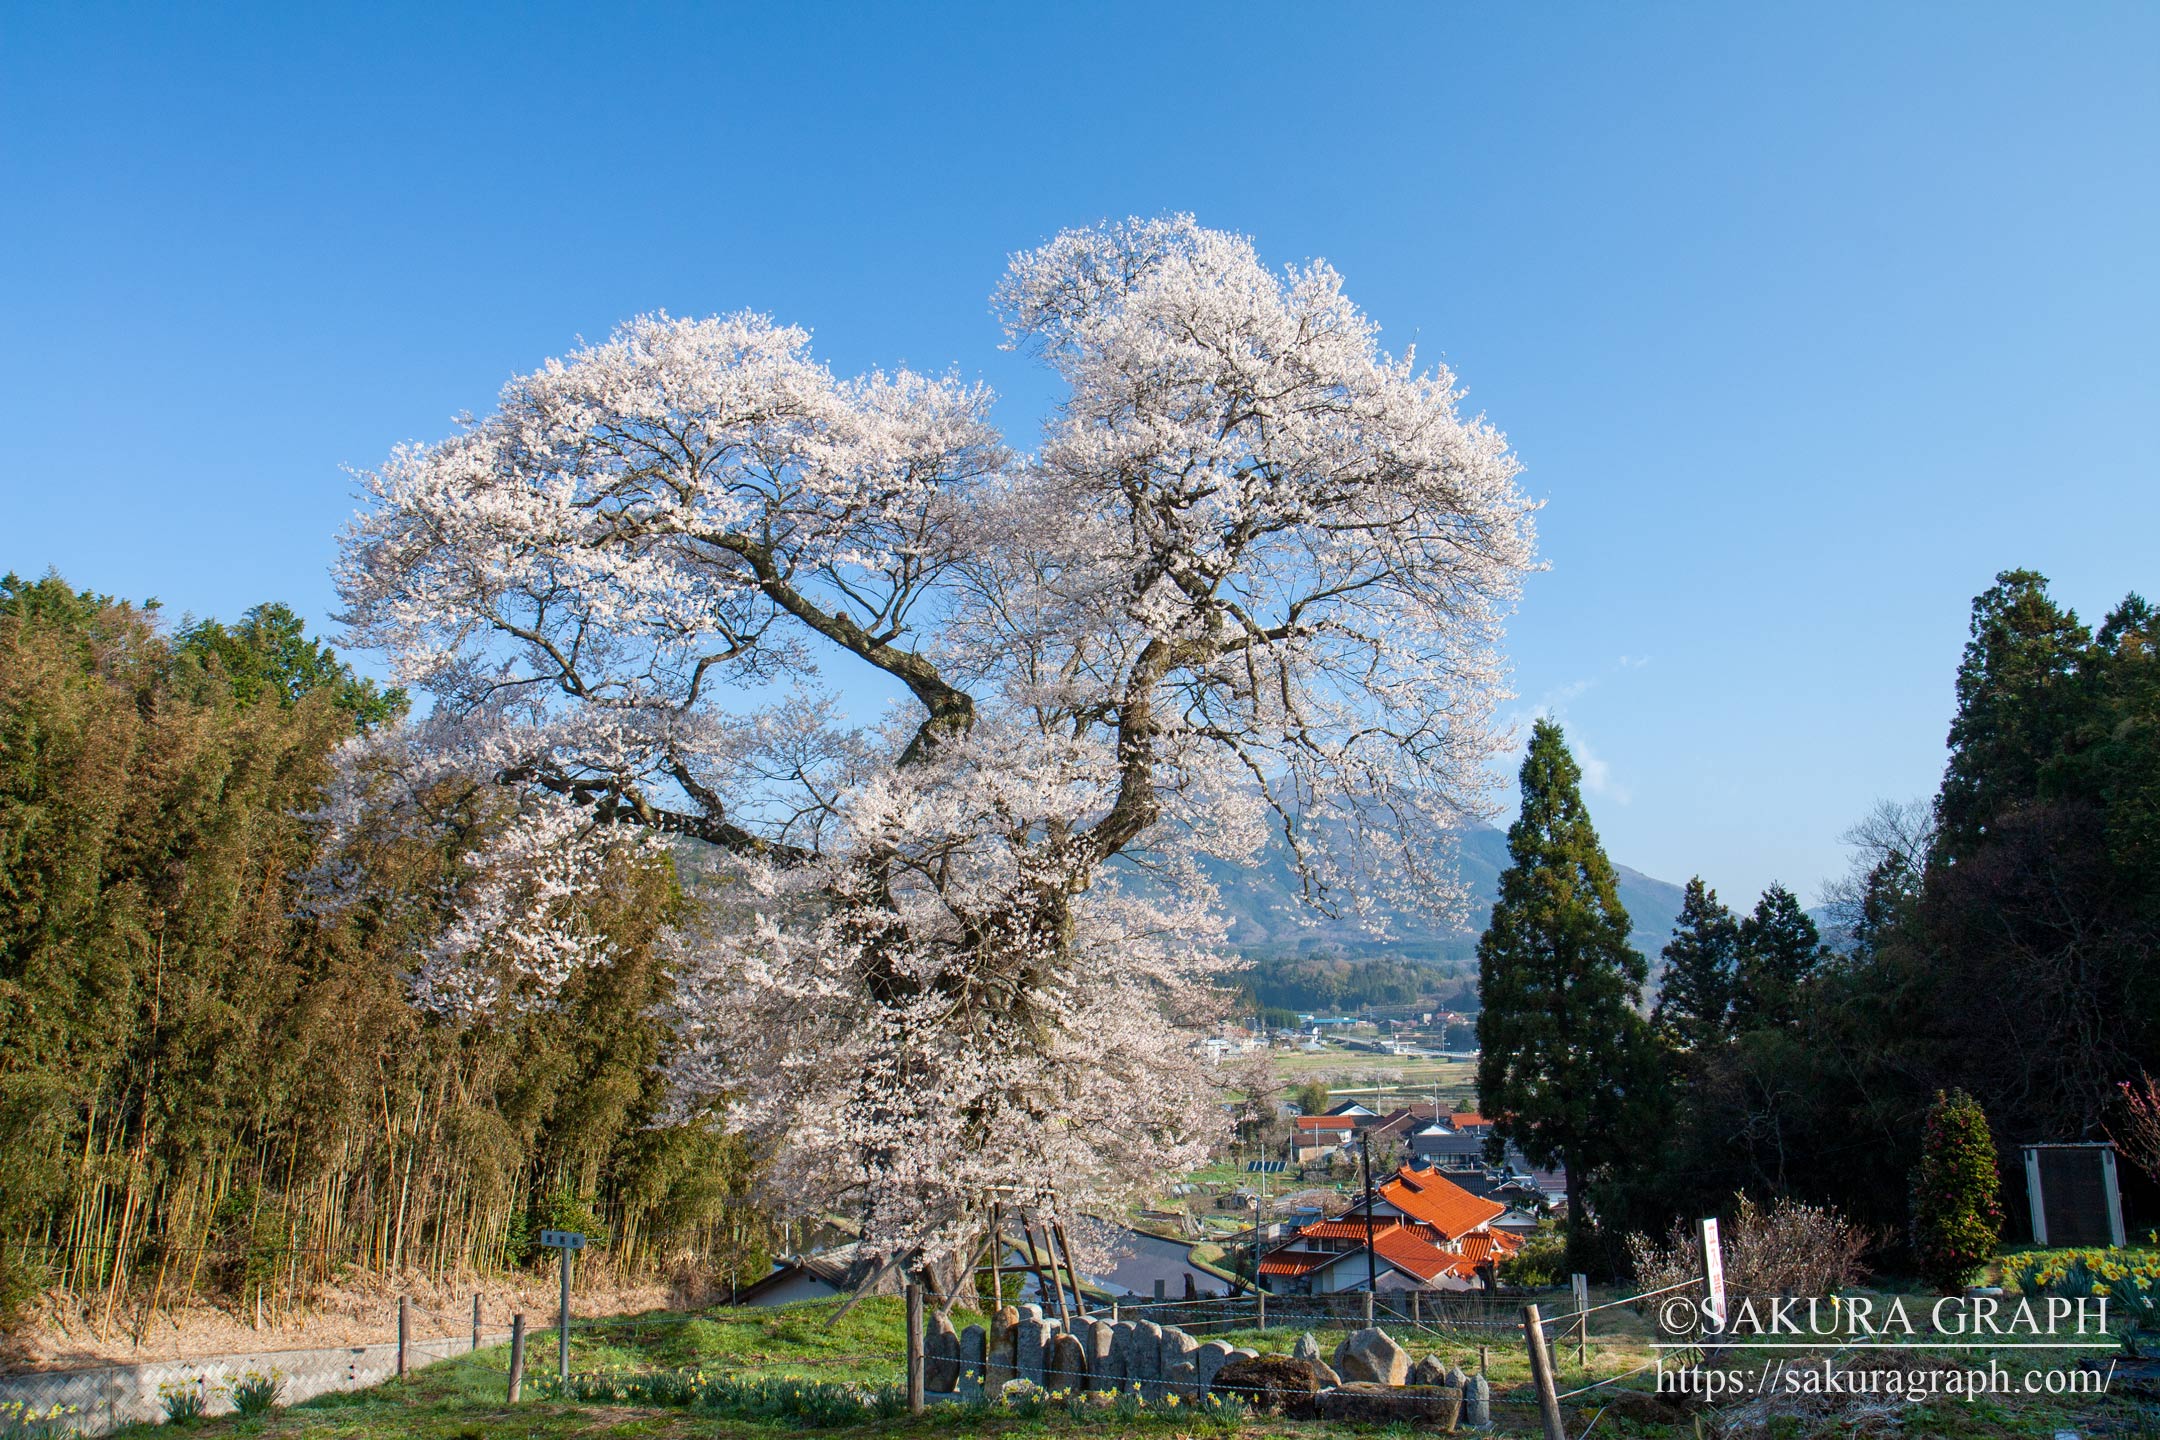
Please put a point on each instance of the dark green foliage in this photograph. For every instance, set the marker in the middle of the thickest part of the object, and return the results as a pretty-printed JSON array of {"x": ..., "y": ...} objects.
[
  {"x": 1957, "y": 1217},
  {"x": 1695, "y": 996},
  {"x": 268, "y": 656},
  {"x": 1566, "y": 1065},
  {"x": 202, "y": 1088},
  {"x": 1779, "y": 949},
  {"x": 2016, "y": 703}
]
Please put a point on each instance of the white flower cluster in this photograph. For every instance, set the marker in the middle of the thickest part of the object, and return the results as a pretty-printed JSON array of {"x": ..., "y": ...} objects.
[{"x": 1251, "y": 585}]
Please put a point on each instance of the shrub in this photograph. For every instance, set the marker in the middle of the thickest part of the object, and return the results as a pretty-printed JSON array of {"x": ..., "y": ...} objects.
[
  {"x": 1957, "y": 1217},
  {"x": 1542, "y": 1261},
  {"x": 1789, "y": 1249}
]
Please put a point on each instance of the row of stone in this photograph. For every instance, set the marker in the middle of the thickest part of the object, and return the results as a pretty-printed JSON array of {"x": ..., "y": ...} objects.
[{"x": 1115, "y": 1355}]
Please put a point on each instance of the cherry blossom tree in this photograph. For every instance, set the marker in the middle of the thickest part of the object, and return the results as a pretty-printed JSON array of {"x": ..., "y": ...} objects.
[{"x": 1250, "y": 585}]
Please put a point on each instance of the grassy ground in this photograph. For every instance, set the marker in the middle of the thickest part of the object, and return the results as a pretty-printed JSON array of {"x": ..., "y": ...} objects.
[{"x": 464, "y": 1399}]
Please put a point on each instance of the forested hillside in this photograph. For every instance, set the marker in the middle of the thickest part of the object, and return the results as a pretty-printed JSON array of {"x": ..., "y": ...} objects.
[
  {"x": 214, "y": 1082},
  {"x": 1267, "y": 916}
]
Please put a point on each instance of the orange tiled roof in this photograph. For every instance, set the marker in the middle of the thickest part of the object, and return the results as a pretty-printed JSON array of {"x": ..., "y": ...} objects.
[
  {"x": 1326, "y": 1122},
  {"x": 1489, "y": 1245},
  {"x": 1292, "y": 1262},
  {"x": 1442, "y": 1204},
  {"x": 1346, "y": 1229},
  {"x": 1467, "y": 1119}
]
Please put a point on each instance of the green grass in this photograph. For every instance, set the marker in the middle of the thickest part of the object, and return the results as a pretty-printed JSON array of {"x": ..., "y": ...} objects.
[{"x": 769, "y": 1350}]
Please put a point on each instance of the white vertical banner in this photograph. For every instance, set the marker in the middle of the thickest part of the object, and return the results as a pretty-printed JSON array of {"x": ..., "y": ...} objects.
[{"x": 1713, "y": 1276}]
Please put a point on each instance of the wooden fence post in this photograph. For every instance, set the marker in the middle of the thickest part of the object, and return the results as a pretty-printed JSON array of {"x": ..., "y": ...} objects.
[
  {"x": 517, "y": 1355},
  {"x": 1548, "y": 1398},
  {"x": 914, "y": 1349},
  {"x": 404, "y": 1331},
  {"x": 476, "y": 1320},
  {"x": 1368, "y": 1309},
  {"x": 1582, "y": 1319},
  {"x": 1262, "y": 1292}
]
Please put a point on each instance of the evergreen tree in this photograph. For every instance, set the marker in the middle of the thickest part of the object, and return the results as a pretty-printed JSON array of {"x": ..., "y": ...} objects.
[
  {"x": 269, "y": 656},
  {"x": 1957, "y": 1217},
  {"x": 2016, "y": 701},
  {"x": 1695, "y": 997},
  {"x": 1566, "y": 1063},
  {"x": 1779, "y": 949}
]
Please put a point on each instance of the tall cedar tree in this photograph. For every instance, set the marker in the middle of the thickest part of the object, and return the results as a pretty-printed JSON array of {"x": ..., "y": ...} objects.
[
  {"x": 1957, "y": 1217},
  {"x": 1695, "y": 997},
  {"x": 1779, "y": 949},
  {"x": 1564, "y": 1056},
  {"x": 2017, "y": 701}
]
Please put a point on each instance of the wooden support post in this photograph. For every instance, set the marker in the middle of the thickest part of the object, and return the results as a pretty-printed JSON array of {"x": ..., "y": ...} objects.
[
  {"x": 1417, "y": 1307},
  {"x": 476, "y": 1320},
  {"x": 404, "y": 1331},
  {"x": 1262, "y": 1290},
  {"x": 517, "y": 1355},
  {"x": 1541, "y": 1376},
  {"x": 1368, "y": 1309},
  {"x": 1582, "y": 1319},
  {"x": 1057, "y": 1281},
  {"x": 1072, "y": 1272},
  {"x": 914, "y": 1349}
]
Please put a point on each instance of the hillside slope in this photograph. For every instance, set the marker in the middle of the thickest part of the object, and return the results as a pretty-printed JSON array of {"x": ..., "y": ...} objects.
[{"x": 1267, "y": 917}]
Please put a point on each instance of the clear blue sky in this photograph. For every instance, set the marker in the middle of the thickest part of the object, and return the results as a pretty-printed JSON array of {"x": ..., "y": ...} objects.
[{"x": 1805, "y": 319}]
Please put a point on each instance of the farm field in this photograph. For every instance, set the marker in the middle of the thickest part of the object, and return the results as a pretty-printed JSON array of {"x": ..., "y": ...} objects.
[{"x": 1385, "y": 1076}]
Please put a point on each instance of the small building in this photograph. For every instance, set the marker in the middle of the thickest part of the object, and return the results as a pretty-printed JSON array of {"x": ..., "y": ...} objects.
[
  {"x": 1439, "y": 1143},
  {"x": 808, "y": 1277}
]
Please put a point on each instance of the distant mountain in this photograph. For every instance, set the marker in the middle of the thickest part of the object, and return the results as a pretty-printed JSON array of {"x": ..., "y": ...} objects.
[{"x": 1267, "y": 917}]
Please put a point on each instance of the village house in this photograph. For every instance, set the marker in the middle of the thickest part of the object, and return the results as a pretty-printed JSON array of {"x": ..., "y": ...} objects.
[
  {"x": 1427, "y": 1234},
  {"x": 1315, "y": 1136}
]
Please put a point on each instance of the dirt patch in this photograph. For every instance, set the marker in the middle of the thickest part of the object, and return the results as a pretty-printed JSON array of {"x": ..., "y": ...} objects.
[{"x": 66, "y": 1331}]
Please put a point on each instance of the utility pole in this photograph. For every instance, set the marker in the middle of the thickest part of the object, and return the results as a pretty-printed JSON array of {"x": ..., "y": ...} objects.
[{"x": 1372, "y": 1262}]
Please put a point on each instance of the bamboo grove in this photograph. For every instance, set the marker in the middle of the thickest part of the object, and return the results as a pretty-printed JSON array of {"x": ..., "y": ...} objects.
[{"x": 207, "y": 1088}]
